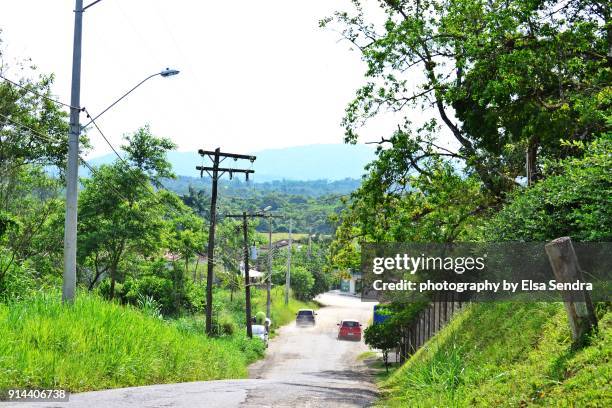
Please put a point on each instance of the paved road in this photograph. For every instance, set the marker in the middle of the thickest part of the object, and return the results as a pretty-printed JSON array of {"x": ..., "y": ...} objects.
[{"x": 304, "y": 367}]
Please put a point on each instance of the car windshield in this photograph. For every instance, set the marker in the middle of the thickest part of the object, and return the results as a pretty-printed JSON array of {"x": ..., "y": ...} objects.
[
  {"x": 305, "y": 313},
  {"x": 350, "y": 324},
  {"x": 259, "y": 330}
]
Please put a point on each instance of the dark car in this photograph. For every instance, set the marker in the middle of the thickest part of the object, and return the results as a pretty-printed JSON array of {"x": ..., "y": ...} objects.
[
  {"x": 349, "y": 330},
  {"x": 305, "y": 317}
]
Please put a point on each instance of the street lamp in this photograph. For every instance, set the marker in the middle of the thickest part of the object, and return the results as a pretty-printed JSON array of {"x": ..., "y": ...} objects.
[
  {"x": 72, "y": 166},
  {"x": 169, "y": 72}
]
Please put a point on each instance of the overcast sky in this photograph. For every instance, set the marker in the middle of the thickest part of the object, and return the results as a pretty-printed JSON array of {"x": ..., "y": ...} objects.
[{"x": 254, "y": 74}]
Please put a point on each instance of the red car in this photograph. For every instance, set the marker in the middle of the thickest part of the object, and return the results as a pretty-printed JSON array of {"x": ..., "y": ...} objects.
[{"x": 349, "y": 330}]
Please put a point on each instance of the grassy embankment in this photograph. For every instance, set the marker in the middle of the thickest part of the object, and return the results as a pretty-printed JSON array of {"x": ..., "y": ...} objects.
[
  {"x": 95, "y": 344},
  {"x": 506, "y": 355}
]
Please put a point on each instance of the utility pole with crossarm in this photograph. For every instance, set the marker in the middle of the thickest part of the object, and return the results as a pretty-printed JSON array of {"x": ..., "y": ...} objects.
[
  {"x": 247, "y": 284},
  {"x": 215, "y": 172}
]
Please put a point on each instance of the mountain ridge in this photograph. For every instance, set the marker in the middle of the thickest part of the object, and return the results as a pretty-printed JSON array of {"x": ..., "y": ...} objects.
[{"x": 307, "y": 162}]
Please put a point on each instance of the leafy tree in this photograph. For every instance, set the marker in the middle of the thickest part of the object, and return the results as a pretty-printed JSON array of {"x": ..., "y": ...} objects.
[
  {"x": 185, "y": 236},
  {"x": 517, "y": 76},
  {"x": 148, "y": 154},
  {"x": 120, "y": 212},
  {"x": 33, "y": 139},
  {"x": 383, "y": 336},
  {"x": 25, "y": 115}
]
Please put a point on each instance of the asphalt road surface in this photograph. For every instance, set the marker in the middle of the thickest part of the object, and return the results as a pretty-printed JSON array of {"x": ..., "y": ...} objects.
[{"x": 304, "y": 367}]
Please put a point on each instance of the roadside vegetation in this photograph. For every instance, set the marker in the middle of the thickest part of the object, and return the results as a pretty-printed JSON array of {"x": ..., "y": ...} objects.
[
  {"x": 141, "y": 265},
  {"x": 521, "y": 91},
  {"x": 508, "y": 354},
  {"x": 95, "y": 344}
]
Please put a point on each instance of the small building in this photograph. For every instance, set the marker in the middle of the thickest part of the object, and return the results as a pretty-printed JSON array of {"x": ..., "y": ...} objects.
[
  {"x": 353, "y": 284},
  {"x": 255, "y": 276}
]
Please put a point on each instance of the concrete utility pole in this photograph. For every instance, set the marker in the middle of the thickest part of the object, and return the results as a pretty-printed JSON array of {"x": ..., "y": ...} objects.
[
  {"x": 72, "y": 168},
  {"x": 216, "y": 158},
  {"x": 288, "y": 275}
]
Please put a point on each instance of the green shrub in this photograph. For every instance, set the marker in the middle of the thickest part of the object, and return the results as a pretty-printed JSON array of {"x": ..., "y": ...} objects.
[
  {"x": 260, "y": 317},
  {"x": 17, "y": 281},
  {"x": 133, "y": 291},
  {"x": 225, "y": 325},
  {"x": 149, "y": 306},
  {"x": 302, "y": 283}
]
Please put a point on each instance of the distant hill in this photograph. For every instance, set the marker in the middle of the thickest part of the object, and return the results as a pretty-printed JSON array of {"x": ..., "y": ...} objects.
[
  {"x": 311, "y": 162},
  {"x": 242, "y": 189}
]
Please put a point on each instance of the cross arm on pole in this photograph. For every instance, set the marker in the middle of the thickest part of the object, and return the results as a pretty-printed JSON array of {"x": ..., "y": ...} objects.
[
  {"x": 252, "y": 215},
  {"x": 223, "y": 170},
  {"x": 205, "y": 168},
  {"x": 203, "y": 152}
]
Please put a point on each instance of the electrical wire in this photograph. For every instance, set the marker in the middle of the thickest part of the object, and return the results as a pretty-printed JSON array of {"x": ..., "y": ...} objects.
[
  {"x": 47, "y": 138},
  {"x": 92, "y": 120},
  {"x": 39, "y": 94}
]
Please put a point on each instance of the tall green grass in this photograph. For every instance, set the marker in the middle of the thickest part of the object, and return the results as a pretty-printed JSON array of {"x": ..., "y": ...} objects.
[
  {"x": 506, "y": 354},
  {"x": 94, "y": 344}
]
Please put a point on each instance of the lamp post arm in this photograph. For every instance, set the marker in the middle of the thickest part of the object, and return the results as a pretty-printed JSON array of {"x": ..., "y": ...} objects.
[
  {"x": 90, "y": 4},
  {"x": 120, "y": 99}
]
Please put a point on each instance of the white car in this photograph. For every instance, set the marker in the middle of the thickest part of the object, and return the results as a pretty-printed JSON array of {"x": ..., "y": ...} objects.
[{"x": 260, "y": 332}]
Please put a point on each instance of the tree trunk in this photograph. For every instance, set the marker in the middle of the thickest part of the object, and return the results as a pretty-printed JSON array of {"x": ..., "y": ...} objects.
[
  {"x": 531, "y": 160},
  {"x": 111, "y": 295},
  {"x": 113, "y": 268}
]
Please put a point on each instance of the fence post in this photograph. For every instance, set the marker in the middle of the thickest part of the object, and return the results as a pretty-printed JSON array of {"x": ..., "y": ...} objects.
[
  {"x": 402, "y": 345},
  {"x": 422, "y": 328},
  {"x": 445, "y": 314},
  {"x": 578, "y": 305}
]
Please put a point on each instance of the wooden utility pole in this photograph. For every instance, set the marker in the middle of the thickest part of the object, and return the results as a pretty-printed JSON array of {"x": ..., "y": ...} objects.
[
  {"x": 247, "y": 286},
  {"x": 215, "y": 172},
  {"x": 288, "y": 275},
  {"x": 309, "y": 243},
  {"x": 269, "y": 280},
  {"x": 247, "y": 280},
  {"x": 578, "y": 304}
]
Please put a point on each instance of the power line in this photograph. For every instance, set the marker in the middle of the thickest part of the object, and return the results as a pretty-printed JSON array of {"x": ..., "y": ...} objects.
[
  {"x": 39, "y": 94},
  {"x": 91, "y": 168},
  {"x": 104, "y": 136},
  {"x": 34, "y": 132},
  {"x": 47, "y": 138}
]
